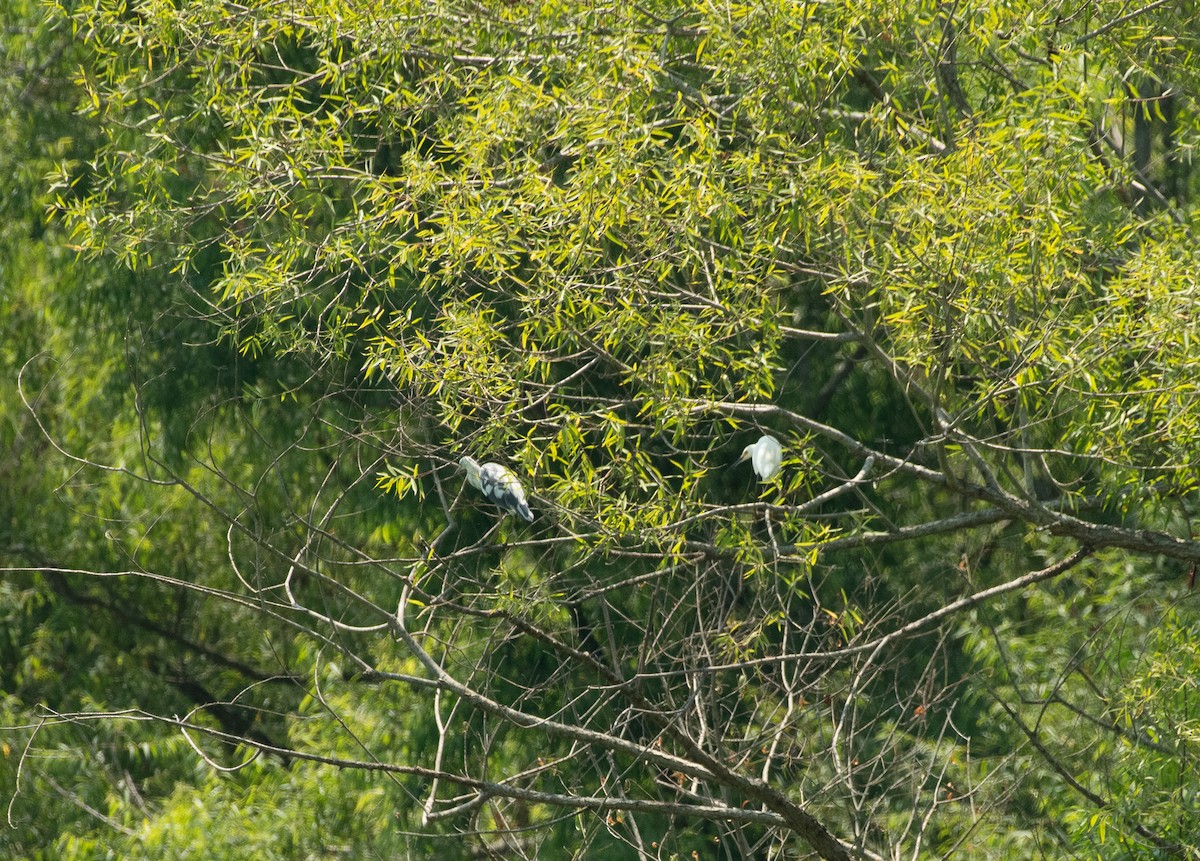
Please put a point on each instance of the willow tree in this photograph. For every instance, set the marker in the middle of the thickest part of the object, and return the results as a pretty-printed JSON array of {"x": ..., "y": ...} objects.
[{"x": 942, "y": 252}]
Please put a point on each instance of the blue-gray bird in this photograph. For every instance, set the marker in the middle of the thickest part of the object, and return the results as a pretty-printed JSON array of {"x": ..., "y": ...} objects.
[
  {"x": 766, "y": 456},
  {"x": 499, "y": 485}
]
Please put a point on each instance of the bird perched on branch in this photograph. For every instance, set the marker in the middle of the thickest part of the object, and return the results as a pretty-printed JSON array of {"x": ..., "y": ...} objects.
[
  {"x": 499, "y": 485},
  {"x": 766, "y": 455}
]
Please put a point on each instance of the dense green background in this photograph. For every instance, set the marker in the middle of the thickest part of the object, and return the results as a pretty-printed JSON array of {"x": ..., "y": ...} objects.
[{"x": 269, "y": 270}]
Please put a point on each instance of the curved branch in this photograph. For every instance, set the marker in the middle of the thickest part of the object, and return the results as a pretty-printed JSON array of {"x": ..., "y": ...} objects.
[
  {"x": 1098, "y": 801},
  {"x": 908, "y": 630},
  {"x": 804, "y": 824},
  {"x": 1095, "y": 535},
  {"x": 486, "y": 788}
]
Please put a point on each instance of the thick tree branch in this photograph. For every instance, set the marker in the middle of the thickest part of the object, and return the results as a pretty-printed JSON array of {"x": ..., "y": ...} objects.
[
  {"x": 1034, "y": 513},
  {"x": 487, "y": 789},
  {"x": 806, "y": 826}
]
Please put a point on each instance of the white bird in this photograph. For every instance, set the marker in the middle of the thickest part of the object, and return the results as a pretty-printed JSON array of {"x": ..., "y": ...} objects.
[
  {"x": 766, "y": 455},
  {"x": 499, "y": 485}
]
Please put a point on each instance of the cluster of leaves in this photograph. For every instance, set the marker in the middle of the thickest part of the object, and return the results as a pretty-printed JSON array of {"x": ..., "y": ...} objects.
[{"x": 329, "y": 247}]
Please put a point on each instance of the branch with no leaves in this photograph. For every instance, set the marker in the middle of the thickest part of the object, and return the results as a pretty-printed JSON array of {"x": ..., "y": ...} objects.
[
  {"x": 907, "y": 630},
  {"x": 486, "y": 789},
  {"x": 794, "y": 817}
]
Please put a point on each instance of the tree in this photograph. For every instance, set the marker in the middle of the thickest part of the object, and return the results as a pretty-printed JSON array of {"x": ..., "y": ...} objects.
[{"x": 610, "y": 247}]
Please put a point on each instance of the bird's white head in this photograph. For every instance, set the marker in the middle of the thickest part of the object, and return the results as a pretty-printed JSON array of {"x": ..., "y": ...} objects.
[{"x": 472, "y": 467}]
